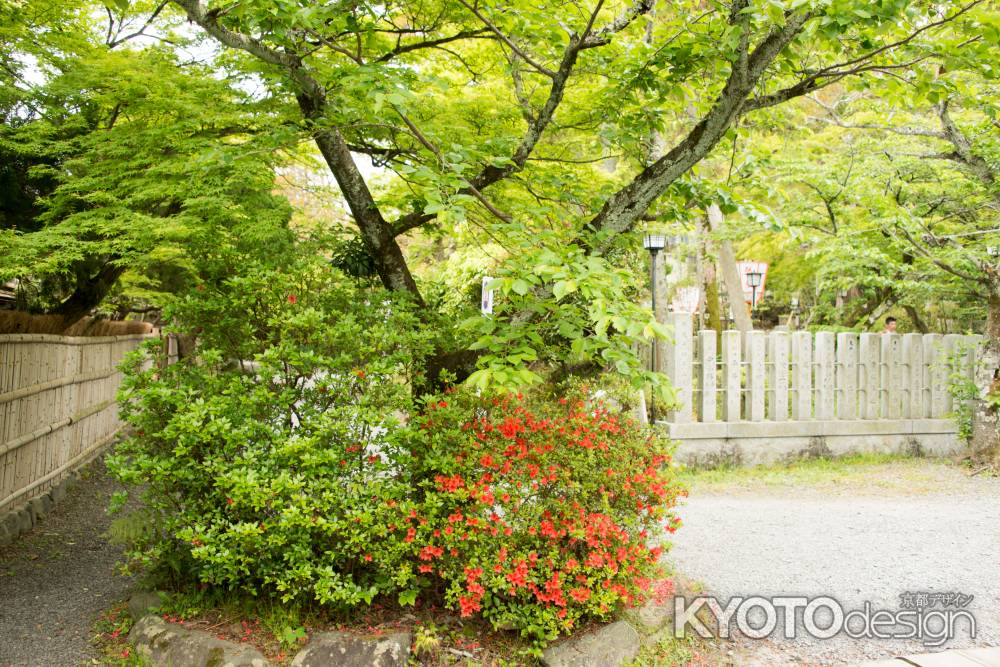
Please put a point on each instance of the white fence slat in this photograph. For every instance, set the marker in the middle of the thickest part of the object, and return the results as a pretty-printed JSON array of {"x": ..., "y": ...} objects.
[
  {"x": 952, "y": 348},
  {"x": 913, "y": 375},
  {"x": 870, "y": 375},
  {"x": 933, "y": 374},
  {"x": 892, "y": 375}
]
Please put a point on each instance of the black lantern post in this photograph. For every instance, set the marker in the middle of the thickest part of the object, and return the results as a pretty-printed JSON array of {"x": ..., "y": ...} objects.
[
  {"x": 654, "y": 243},
  {"x": 753, "y": 280}
]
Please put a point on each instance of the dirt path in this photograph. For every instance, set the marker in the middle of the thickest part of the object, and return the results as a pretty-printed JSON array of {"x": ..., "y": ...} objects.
[
  {"x": 859, "y": 542},
  {"x": 55, "y": 580}
]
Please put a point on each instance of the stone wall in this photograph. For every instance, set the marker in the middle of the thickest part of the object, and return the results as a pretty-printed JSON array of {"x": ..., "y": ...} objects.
[{"x": 765, "y": 397}]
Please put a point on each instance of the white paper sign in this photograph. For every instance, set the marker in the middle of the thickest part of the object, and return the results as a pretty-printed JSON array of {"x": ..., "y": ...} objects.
[{"x": 486, "y": 302}]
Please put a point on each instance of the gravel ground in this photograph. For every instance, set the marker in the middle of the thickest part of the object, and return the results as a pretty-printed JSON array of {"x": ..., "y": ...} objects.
[
  {"x": 855, "y": 547},
  {"x": 55, "y": 580}
]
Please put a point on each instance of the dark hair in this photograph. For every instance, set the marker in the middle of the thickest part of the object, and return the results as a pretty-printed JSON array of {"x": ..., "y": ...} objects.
[{"x": 890, "y": 320}]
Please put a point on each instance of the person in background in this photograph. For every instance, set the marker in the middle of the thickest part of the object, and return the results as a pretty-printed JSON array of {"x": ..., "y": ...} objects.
[{"x": 890, "y": 325}]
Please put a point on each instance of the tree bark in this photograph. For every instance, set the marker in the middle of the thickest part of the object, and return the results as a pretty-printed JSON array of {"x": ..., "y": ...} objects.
[
  {"x": 89, "y": 293},
  {"x": 710, "y": 277},
  {"x": 376, "y": 233},
  {"x": 621, "y": 211},
  {"x": 963, "y": 154},
  {"x": 918, "y": 322},
  {"x": 985, "y": 440},
  {"x": 730, "y": 274}
]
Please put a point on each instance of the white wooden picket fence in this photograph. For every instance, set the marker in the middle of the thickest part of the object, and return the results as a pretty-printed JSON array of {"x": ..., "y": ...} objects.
[
  {"x": 57, "y": 407},
  {"x": 763, "y": 396}
]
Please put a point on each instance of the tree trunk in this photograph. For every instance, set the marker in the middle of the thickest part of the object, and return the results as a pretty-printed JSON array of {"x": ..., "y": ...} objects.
[
  {"x": 375, "y": 231},
  {"x": 710, "y": 277},
  {"x": 918, "y": 322},
  {"x": 985, "y": 441},
  {"x": 89, "y": 293},
  {"x": 730, "y": 274}
]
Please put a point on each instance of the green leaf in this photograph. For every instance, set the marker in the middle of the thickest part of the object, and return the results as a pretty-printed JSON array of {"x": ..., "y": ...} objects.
[{"x": 520, "y": 286}]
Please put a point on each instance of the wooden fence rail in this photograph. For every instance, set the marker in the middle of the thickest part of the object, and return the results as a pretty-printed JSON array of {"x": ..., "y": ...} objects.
[{"x": 57, "y": 407}]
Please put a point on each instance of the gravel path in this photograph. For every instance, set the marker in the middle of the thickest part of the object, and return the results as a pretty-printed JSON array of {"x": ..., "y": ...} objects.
[
  {"x": 853, "y": 547},
  {"x": 55, "y": 580}
]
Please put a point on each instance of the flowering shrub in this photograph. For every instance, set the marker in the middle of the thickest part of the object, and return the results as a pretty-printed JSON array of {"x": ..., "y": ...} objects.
[
  {"x": 289, "y": 458},
  {"x": 538, "y": 513},
  {"x": 262, "y": 456}
]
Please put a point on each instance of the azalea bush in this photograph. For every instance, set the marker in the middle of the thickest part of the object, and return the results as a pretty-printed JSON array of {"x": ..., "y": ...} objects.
[
  {"x": 289, "y": 457},
  {"x": 538, "y": 512}
]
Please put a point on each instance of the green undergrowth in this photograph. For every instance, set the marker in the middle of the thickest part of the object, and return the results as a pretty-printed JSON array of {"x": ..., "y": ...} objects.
[{"x": 110, "y": 639}]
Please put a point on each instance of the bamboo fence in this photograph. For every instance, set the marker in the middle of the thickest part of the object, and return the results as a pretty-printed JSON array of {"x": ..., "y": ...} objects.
[{"x": 57, "y": 407}]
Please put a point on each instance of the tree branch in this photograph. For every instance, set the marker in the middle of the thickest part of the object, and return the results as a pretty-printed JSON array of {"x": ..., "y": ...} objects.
[
  {"x": 541, "y": 69},
  {"x": 936, "y": 261},
  {"x": 623, "y": 209},
  {"x": 430, "y": 43},
  {"x": 491, "y": 174},
  {"x": 375, "y": 232},
  {"x": 141, "y": 31},
  {"x": 833, "y": 73},
  {"x": 963, "y": 149}
]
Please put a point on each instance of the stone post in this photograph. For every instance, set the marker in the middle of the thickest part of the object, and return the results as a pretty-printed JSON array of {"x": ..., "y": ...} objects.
[
  {"x": 777, "y": 376},
  {"x": 707, "y": 411},
  {"x": 847, "y": 375},
  {"x": 731, "y": 375},
  {"x": 755, "y": 344},
  {"x": 802, "y": 375}
]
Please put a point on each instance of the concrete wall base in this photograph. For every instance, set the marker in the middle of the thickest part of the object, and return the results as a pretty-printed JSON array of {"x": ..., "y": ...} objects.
[{"x": 762, "y": 443}]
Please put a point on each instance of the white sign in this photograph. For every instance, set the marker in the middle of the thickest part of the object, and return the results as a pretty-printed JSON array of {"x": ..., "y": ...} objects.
[
  {"x": 752, "y": 296},
  {"x": 486, "y": 303}
]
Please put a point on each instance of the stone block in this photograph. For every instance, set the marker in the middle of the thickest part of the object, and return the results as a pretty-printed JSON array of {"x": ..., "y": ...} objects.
[
  {"x": 141, "y": 603},
  {"x": 10, "y": 523},
  {"x": 167, "y": 644},
  {"x": 347, "y": 650},
  {"x": 25, "y": 520},
  {"x": 608, "y": 646},
  {"x": 58, "y": 491},
  {"x": 40, "y": 506}
]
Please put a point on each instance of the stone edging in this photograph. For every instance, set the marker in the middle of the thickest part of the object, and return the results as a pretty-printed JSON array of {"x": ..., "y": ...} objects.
[
  {"x": 26, "y": 516},
  {"x": 163, "y": 643},
  {"x": 168, "y": 644}
]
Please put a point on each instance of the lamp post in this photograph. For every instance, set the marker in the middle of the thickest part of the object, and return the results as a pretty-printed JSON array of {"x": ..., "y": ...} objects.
[
  {"x": 795, "y": 311},
  {"x": 654, "y": 243},
  {"x": 753, "y": 280}
]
